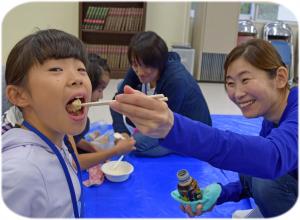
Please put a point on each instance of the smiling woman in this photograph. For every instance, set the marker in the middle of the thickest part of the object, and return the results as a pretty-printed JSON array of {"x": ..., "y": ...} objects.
[{"x": 257, "y": 81}]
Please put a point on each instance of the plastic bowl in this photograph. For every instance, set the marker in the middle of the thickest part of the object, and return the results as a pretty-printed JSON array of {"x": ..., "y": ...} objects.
[{"x": 119, "y": 173}]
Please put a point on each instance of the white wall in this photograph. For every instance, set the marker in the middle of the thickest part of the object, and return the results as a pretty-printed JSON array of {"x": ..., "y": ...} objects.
[
  {"x": 26, "y": 18},
  {"x": 215, "y": 29},
  {"x": 170, "y": 20}
]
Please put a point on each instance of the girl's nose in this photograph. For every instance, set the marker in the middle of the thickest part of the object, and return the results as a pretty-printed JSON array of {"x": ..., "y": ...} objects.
[
  {"x": 77, "y": 81},
  {"x": 75, "y": 78}
]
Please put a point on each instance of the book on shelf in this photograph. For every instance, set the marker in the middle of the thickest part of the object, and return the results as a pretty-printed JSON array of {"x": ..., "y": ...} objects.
[
  {"x": 103, "y": 17},
  {"x": 85, "y": 20},
  {"x": 106, "y": 29},
  {"x": 88, "y": 18},
  {"x": 140, "y": 19},
  {"x": 91, "y": 24},
  {"x": 116, "y": 55},
  {"x": 117, "y": 19},
  {"x": 95, "y": 18},
  {"x": 121, "y": 19},
  {"x": 108, "y": 19}
]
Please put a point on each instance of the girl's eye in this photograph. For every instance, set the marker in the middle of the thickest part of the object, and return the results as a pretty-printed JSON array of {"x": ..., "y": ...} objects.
[
  {"x": 82, "y": 70},
  {"x": 55, "y": 69}
]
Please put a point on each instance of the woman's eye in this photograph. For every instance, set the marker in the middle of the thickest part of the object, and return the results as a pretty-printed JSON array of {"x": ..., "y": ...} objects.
[
  {"x": 229, "y": 84},
  {"x": 245, "y": 80},
  {"x": 55, "y": 69}
]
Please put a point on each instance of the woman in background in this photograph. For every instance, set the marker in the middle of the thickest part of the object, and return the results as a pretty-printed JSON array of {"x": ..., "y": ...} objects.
[{"x": 154, "y": 70}]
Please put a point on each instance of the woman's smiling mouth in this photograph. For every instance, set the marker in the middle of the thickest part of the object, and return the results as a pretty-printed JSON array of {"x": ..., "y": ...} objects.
[{"x": 246, "y": 104}]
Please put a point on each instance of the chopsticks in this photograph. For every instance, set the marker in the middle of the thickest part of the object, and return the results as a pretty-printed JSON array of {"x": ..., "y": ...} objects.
[
  {"x": 160, "y": 97},
  {"x": 103, "y": 102}
]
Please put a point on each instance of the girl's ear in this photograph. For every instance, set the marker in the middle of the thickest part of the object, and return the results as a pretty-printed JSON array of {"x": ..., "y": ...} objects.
[
  {"x": 17, "y": 96},
  {"x": 282, "y": 77}
]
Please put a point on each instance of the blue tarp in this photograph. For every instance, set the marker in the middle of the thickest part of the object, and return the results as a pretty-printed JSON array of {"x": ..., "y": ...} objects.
[{"x": 146, "y": 194}]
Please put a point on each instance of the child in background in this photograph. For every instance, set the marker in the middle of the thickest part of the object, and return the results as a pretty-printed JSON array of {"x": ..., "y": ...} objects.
[
  {"x": 99, "y": 80},
  {"x": 45, "y": 73},
  {"x": 90, "y": 155}
]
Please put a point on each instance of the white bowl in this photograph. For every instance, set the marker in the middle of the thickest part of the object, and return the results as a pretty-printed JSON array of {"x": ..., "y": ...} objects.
[{"x": 119, "y": 173}]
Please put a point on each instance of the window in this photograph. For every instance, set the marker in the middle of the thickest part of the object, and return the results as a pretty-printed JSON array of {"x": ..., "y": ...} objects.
[
  {"x": 265, "y": 12},
  {"x": 247, "y": 11}
]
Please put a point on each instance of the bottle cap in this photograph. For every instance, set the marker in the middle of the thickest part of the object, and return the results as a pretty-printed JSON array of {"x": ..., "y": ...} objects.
[{"x": 183, "y": 175}]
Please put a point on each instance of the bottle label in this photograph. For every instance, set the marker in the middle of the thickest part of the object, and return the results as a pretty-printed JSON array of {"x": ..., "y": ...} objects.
[{"x": 190, "y": 192}]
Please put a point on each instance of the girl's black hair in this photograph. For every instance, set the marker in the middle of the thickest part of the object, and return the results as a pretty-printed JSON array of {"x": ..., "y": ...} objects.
[
  {"x": 39, "y": 47},
  {"x": 95, "y": 68}
]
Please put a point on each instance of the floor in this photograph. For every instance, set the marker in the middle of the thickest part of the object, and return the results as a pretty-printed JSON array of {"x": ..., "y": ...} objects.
[{"x": 214, "y": 93}]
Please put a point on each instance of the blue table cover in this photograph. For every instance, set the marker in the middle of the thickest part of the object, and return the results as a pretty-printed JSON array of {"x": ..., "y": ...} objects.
[{"x": 146, "y": 194}]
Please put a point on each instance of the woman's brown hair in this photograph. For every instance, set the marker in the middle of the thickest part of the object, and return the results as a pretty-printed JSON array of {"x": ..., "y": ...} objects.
[{"x": 259, "y": 53}]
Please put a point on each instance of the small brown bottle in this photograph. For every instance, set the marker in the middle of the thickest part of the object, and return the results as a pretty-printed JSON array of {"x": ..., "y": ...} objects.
[{"x": 187, "y": 186}]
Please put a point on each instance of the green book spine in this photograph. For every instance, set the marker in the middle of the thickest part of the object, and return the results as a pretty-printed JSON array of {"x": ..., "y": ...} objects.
[
  {"x": 93, "y": 24},
  {"x": 94, "y": 19},
  {"x": 85, "y": 19},
  {"x": 99, "y": 18},
  {"x": 90, "y": 20}
]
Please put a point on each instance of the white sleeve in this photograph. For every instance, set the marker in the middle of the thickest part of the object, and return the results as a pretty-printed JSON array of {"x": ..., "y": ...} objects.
[{"x": 23, "y": 188}]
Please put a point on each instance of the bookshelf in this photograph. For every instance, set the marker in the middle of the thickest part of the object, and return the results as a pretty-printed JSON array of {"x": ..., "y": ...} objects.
[{"x": 107, "y": 27}]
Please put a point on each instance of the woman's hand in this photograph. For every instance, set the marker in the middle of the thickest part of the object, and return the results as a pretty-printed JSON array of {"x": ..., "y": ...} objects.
[
  {"x": 152, "y": 117},
  {"x": 188, "y": 210}
]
